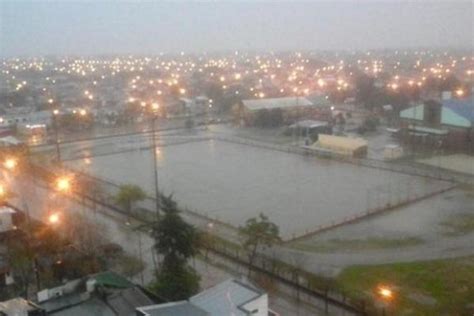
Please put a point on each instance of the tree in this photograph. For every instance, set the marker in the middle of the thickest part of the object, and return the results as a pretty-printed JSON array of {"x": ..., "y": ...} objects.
[
  {"x": 259, "y": 232},
  {"x": 176, "y": 241},
  {"x": 20, "y": 258},
  {"x": 128, "y": 195},
  {"x": 364, "y": 86}
]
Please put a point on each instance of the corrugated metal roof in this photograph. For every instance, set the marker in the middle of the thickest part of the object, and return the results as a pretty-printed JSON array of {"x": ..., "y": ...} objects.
[
  {"x": 124, "y": 302},
  {"x": 226, "y": 298},
  {"x": 458, "y": 112},
  {"x": 92, "y": 307},
  {"x": 275, "y": 103},
  {"x": 18, "y": 306},
  {"x": 112, "y": 279},
  {"x": 414, "y": 113},
  {"x": 181, "y": 308},
  {"x": 454, "y": 112}
]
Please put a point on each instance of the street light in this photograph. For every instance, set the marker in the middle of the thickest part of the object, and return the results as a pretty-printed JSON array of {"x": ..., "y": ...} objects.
[
  {"x": 63, "y": 184},
  {"x": 55, "y": 125},
  {"x": 10, "y": 163},
  {"x": 386, "y": 295},
  {"x": 385, "y": 292},
  {"x": 3, "y": 193},
  {"x": 459, "y": 92},
  {"x": 54, "y": 218}
]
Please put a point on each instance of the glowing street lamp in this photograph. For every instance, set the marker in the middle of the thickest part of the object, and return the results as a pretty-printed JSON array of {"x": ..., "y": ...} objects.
[
  {"x": 56, "y": 136},
  {"x": 82, "y": 112},
  {"x": 386, "y": 295},
  {"x": 54, "y": 219},
  {"x": 385, "y": 292},
  {"x": 3, "y": 192},
  {"x": 155, "y": 107},
  {"x": 459, "y": 92},
  {"x": 10, "y": 163},
  {"x": 63, "y": 184}
]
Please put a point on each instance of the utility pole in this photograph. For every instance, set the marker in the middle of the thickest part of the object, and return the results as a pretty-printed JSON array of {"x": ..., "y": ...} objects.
[
  {"x": 155, "y": 167},
  {"x": 56, "y": 137}
]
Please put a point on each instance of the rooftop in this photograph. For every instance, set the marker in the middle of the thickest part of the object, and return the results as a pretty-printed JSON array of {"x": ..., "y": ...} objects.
[
  {"x": 275, "y": 103},
  {"x": 18, "y": 307},
  {"x": 105, "y": 293},
  {"x": 227, "y": 298},
  {"x": 231, "y": 297},
  {"x": 181, "y": 308}
]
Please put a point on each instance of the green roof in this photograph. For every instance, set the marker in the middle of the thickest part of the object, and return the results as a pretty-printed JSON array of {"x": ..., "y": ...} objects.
[
  {"x": 112, "y": 279},
  {"x": 449, "y": 117},
  {"x": 414, "y": 113}
]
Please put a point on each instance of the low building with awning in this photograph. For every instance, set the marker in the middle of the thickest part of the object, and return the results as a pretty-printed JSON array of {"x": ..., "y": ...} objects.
[{"x": 446, "y": 122}]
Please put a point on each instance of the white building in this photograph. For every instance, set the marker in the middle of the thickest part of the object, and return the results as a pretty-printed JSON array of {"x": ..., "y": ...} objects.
[
  {"x": 6, "y": 219},
  {"x": 231, "y": 297}
]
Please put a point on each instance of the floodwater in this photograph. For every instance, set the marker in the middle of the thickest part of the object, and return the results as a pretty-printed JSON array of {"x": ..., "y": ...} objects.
[{"x": 233, "y": 182}]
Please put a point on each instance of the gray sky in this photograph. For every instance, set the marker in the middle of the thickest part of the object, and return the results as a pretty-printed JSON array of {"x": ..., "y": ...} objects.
[{"x": 79, "y": 27}]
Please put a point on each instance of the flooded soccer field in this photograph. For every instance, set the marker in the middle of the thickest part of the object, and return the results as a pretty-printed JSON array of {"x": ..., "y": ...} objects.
[{"x": 233, "y": 182}]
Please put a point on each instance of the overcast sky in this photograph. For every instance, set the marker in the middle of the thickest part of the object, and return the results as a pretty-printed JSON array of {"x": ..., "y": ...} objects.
[{"x": 79, "y": 27}]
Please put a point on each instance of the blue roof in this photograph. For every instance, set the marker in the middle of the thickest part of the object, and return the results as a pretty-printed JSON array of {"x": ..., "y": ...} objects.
[{"x": 462, "y": 107}]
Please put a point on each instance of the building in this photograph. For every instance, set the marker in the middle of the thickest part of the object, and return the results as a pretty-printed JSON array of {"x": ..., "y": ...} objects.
[
  {"x": 104, "y": 294},
  {"x": 352, "y": 147},
  {"x": 231, "y": 297},
  {"x": 7, "y": 220},
  {"x": 284, "y": 110},
  {"x": 30, "y": 118},
  {"x": 20, "y": 307},
  {"x": 448, "y": 122},
  {"x": 310, "y": 129}
]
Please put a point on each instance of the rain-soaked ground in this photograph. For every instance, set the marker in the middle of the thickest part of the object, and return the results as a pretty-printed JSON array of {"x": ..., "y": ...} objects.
[{"x": 233, "y": 182}]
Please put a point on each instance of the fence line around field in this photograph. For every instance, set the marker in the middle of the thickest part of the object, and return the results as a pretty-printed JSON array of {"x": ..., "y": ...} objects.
[
  {"x": 306, "y": 282},
  {"x": 416, "y": 170},
  {"x": 369, "y": 213},
  {"x": 199, "y": 218}
]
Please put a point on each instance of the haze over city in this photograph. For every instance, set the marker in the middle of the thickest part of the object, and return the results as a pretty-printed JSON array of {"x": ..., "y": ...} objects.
[
  {"x": 142, "y": 27},
  {"x": 265, "y": 158}
]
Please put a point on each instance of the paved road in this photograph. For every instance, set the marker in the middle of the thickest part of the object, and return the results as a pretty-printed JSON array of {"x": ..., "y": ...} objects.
[{"x": 121, "y": 230}]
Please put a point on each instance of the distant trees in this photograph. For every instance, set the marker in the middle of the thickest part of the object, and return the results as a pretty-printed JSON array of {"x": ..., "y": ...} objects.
[
  {"x": 176, "y": 241},
  {"x": 128, "y": 195},
  {"x": 75, "y": 121},
  {"x": 20, "y": 257},
  {"x": 364, "y": 86},
  {"x": 259, "y": 232}
]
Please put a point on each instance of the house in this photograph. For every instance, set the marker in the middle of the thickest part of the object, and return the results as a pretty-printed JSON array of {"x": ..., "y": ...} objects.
[
  {"x": 22, "y": 119},
  {"x": 7, "y": 221},
  {"x": 448, "y": 122},
  {"x": 288, "y": 109},
  {"x": 231, "y": 297},
  {"x": 20, "y": 307},
  {"x": 310, "y": 129},
  {"x": 6, "y": 275},
  {"x": 105, "y": 293}
]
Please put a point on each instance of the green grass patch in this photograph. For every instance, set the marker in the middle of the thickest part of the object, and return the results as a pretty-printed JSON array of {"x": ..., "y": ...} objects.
[
  {"x": 375, "y": 243},
  {"x": 457, "y": 225},
  {"x": 449, "y": 282}
]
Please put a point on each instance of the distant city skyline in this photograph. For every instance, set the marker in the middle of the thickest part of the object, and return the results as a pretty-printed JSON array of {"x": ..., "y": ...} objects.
[{"x": 34, "y": 28}]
